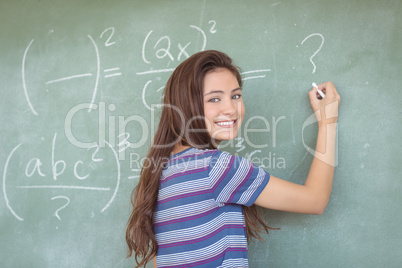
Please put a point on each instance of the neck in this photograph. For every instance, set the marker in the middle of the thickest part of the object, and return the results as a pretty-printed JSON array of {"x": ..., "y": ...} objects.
[{"x": 179, "y": 148}]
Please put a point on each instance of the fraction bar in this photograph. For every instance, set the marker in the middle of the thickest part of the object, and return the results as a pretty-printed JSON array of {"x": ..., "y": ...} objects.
[
  {"x": 67, "y": 78},
  {"x": 63, "y": 187},
  {"x": 156, "y": 71}
]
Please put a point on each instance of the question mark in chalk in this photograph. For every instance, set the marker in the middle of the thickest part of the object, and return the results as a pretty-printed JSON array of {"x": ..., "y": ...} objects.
[
  {"x": 60, "y": 208},
  {"x": 318, "y": 50}
]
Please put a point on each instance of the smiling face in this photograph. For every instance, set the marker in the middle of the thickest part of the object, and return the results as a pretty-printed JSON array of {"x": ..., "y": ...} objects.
[{"x": 223, "y": 105}]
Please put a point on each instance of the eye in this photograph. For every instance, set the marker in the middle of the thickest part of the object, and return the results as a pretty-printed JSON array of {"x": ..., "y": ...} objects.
[
  {"x": 236, "y": 97},
  {"x": 214, "y": 100}
]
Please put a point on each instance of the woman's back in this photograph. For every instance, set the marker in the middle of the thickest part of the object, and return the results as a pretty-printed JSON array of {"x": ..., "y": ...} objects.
[{"x": 199, "y": 220}]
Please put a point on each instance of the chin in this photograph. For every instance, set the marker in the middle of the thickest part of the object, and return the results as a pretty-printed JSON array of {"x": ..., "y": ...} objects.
[
  {"x": 223, "y": 135},
  {"x": 228, "y": 137}
]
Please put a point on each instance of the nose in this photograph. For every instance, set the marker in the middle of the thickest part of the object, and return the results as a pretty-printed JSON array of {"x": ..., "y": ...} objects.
[{"x": 229, "y": 107}]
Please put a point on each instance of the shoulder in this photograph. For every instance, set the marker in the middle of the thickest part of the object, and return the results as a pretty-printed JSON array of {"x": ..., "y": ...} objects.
[
  {"x": 224, "y": 159},
  {"x": 226, "y": 163},
  {"x": 191, "y": 157},
  {"x": 214, "y": 158},
  {"x": 209, "y": 158},
  {"x": 192, "y": 154}
]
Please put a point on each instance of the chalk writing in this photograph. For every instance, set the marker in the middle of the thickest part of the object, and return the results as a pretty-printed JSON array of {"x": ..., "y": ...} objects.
[
  {"x": 24, "y": 85},
  {"x": 4, "y": 183},
  {"x": 155, "y": 48},
  {"x": 97, "y": 71},
  {"x": 68, "y": 78},
  {"x": 318, "y": 50},
  {"x": 239, "y": 144},
  {"x": 162, "y": 46},
  {"x": 111, "y": 30},
  {"x": 56, "y": 213},
  {"x": 108, "y": 73},
  {"x": 212, "y": 30},
  {"x": 253, "y": 72},
  {"x": 34, "y": 166},
  {"x": 162, "y": 49}
]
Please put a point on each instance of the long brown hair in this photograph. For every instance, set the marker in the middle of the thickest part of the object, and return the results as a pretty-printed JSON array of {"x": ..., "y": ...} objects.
[{"x": 183, "y": 111}]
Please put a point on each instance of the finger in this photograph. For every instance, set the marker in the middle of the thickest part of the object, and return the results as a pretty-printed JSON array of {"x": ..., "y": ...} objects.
[
  {"x": 330, "y": 90},
  {"x": 327, "y": 87},
  {"x": 314, "y": 100},
  {"x": 316, "y": 93}
]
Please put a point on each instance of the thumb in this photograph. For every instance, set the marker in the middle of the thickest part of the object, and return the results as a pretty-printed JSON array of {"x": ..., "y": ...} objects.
[{"x": 314, "y": 101}]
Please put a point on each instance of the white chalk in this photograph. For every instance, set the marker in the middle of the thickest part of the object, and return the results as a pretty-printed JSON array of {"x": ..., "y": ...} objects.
[{"x": 319, "y": 91}]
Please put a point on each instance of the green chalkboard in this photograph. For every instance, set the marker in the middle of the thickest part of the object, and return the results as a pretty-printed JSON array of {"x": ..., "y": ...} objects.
[{"x": 80, "y": 86}]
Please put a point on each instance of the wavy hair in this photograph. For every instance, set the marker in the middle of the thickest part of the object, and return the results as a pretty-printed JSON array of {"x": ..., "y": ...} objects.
[{"x": 183, "y": 111}]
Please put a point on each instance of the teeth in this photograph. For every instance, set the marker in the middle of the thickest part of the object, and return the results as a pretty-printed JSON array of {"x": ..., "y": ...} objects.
[{"x": 227, "y": 123}]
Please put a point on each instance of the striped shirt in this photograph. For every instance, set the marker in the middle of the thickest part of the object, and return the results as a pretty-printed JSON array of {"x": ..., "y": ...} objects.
[{"x": 199, "y": 218}]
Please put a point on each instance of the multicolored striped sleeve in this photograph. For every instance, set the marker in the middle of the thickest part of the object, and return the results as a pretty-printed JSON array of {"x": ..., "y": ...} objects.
[{"x": 235, "y": 179}]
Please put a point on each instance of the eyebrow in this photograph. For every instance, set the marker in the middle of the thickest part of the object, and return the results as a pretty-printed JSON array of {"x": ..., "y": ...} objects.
[{"x": 221, "y": 91}]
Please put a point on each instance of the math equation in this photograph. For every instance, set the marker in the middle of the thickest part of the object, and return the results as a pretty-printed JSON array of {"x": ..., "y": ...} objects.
[{"x": 91, "y": 171}]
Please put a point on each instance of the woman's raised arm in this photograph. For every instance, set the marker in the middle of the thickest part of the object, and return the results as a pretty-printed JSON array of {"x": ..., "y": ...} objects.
[{"x": 313, "y": 196}]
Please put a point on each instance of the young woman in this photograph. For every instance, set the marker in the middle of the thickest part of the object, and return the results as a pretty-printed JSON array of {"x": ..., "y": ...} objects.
[{"x": 194, "y": 205}]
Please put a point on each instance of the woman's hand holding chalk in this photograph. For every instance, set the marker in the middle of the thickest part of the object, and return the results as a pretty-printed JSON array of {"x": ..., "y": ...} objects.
[{"x": 319, "y": 91}]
